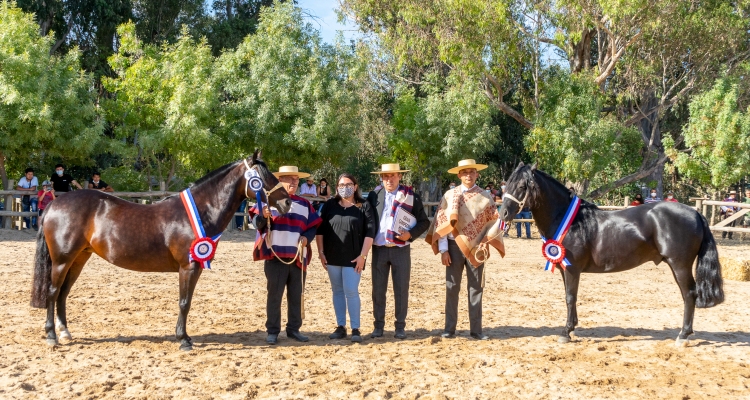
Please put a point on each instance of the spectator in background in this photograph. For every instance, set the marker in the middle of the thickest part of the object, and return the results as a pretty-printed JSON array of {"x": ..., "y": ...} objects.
[
  {"x": 488, "y": 189},
  {"x": 502, "y": 188},
  {"x": 323, "y": 190},
  {"x": 670, "y": 198},
  {"x": 637, "y": 201},
  {"x": 728, "y": 211},
  {"x": 524, "y": 214},
  {"x": 746, "y": 219},
  {"x": 308, "y": 189},
  {"x": 653, "y": 197},
  {"x": 493, "y": 191},
  {"x": 45, "y": 196},
  {"x": 451, "y": 185},
  {"x": 28, "y": 183},
  {"x": 98, "y": 184},
  {"x": 239, "y": 220},
  {"x": 61, "y": 181}
]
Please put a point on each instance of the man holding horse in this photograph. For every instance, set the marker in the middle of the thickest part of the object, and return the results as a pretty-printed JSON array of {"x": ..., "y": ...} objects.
[
  {"x": 391, "y": 253},
  {"x": 464, "y": 227},
  {"x": 282, "y": 240}
]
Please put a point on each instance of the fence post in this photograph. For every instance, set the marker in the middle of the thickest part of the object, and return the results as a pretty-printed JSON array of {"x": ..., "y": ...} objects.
[
  {"x": 699, "y": 206},
  {"x": 627, "y": 201},
  {"x": 8, "y": 221}
]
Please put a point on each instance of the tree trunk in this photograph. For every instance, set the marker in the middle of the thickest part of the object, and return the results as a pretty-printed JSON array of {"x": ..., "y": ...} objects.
[
  {"x": 580, "y": 54},
  {"x": 3, "y": 172},
  {"x": 651, "y": 135}
]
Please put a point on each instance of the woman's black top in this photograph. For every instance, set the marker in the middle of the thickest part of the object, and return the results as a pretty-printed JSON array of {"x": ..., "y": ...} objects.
[
  {"x": 344, "y": 231},
  {"x": 324, "y": 191}
]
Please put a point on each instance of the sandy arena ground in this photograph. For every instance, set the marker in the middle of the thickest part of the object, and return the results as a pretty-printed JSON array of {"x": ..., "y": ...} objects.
[{"x": 123, "y": 343}]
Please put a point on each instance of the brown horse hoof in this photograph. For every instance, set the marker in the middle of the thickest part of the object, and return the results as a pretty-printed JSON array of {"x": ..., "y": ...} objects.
[
  {"x": 52, "y": 342},
  {"x": 682, "y": 342},
  {"x": 563, "y": 339}
]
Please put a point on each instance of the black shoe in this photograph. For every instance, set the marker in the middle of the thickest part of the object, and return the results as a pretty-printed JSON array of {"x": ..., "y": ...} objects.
[
  {"x": 479, "y": 336},
  {"x": 400, "y": 334},
  {"x": 447, "y": 335},
  {"x": 356, "y": 336},
  {"x": 297, "y": 336},
  {"x": 339, "y": 333},
  {"x": 272, "y": 338},
  {"x": 378, "y": 332}
]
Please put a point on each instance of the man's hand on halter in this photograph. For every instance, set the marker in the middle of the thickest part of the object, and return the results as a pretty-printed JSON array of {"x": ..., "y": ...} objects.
[
  {"x": 303, "y": 240},
  {"x": 266, "y": 212}
]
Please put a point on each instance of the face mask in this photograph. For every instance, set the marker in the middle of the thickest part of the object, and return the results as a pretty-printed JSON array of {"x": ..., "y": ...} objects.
[
  {"x": 59, "y": 172},
  {"x": 653, "y": 194},
  {"x": 322, "y": 185},
  {"x": 502, "y": 187},
  {"x": 96, "y": 182},
  {"x": 346, "y": 192},
  {"x": 487, "y": 190},
  {"x": 670, "y": 197},
  {"x": 453, "y": 186}
]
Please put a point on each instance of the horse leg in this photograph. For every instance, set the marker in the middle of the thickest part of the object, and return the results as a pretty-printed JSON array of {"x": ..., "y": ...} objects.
[
  {"x": 571, "y": 279},
  {"x": 188, "y": 279},
  {"x": 70, "y": 278},
  {"x": 57, "y": 277},
  {"x": 683, "y": 275}
]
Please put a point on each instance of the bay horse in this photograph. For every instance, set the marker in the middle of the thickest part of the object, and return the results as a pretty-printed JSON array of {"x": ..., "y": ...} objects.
[
  {"x": 613, "y": 241},
  {"x": 144, "y": 238}
]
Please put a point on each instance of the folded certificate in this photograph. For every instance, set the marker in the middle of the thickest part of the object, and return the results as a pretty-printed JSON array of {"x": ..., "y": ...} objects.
[{"x": 403, "y": 220}]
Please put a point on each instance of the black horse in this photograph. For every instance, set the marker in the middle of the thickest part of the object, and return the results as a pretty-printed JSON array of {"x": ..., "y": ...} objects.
[
  {"x": 145, "y": 238},
  {"x": 606, "y": 241}
]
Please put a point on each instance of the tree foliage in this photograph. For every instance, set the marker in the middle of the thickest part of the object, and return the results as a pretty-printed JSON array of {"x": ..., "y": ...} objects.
[{"x": 46, "y": 102}]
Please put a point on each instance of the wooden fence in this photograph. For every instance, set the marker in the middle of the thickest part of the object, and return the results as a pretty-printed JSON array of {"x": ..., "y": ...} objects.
[{"x": 13, "y": 217}]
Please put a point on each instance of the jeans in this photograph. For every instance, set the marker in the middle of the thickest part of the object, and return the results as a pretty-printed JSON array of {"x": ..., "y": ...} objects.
[
  {"x": 240, "y": 221},
  {"x": 524, "y": 215},
  {"x": 31, "y": 206},
  {"x": 345, "y": 287}
]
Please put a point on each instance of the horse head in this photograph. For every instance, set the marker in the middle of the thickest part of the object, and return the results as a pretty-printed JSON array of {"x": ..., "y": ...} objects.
[
  {"x": 520, "y": 191},
  {"x": 275, "y": 193}
]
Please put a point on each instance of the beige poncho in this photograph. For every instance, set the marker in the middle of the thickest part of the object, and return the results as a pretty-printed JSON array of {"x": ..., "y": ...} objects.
[{"x": 472, "y": 218}]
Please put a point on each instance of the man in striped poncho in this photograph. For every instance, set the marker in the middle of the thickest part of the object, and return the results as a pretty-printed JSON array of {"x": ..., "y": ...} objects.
[{"x": 287, "y": 257}]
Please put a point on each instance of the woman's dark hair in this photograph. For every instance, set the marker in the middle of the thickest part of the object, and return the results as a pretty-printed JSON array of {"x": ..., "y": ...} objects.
[
  {"x": 357, "y": 197},
  {"x": 323, "y": 180}
]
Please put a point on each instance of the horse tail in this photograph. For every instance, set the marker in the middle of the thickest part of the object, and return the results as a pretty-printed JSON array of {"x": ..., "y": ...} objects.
[
  {"x": 710, "y": 285},
  {"x": 42, "y": 272}
]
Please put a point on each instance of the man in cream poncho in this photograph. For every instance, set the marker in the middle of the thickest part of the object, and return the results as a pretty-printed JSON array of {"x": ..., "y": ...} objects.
[{"x": 466, "y": 224}]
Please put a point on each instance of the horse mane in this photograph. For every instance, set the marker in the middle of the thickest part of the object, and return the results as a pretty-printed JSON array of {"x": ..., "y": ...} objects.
[{"x": 217, "y": 172}]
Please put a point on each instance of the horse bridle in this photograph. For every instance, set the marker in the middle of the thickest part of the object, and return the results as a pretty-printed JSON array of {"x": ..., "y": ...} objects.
[
  {"x": 266, "y": 192},
  {"x": 521, "y": 202}
]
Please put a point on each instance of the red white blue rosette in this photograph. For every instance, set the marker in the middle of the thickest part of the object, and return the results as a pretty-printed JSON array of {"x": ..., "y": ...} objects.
[
  {"x": 553, "y": 251},
  {"x": 203, "y": 249}
]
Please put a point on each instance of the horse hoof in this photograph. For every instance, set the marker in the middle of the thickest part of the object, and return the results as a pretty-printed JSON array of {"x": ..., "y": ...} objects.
[
  {"x": 563, "y": 339},
  {"x": 65, "y": 335},
  {"x": 682, "y": 342},
  {"x": 186, "y": 347},
  {"x": 52, "y": 342}
]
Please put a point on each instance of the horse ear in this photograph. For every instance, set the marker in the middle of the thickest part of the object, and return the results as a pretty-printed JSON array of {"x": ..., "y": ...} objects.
[
  {"x": 256, "y": 155},
  {"x": 533, "y": 167},
  {"x": 521, "y": 164}
]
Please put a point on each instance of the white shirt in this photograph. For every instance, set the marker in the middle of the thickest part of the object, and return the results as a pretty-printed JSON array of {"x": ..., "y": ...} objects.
[
  {"x": 304, "y": 189},
  {"x": 443, "y": 241},
  {"x": 386, "y": 221}
]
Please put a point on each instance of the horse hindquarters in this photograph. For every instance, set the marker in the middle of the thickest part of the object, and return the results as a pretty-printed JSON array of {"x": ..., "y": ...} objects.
[{"x": 710, "y": 285}]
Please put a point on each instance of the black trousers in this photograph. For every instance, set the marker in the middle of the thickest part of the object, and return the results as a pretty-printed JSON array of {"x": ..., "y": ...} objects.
[
  {"x": 280, "y": 276},
  {"x": 394, "y": 261},
  {"x": 453, "y": 276}
]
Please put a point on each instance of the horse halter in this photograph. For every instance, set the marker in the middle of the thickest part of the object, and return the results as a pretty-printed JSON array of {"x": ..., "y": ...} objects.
[
  {"x": 266, "y": 192},
  {"x": 521, "y": 202}
]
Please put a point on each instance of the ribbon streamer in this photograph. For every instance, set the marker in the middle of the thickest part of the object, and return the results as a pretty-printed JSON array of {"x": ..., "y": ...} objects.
[{"x": 552, "y": 249}]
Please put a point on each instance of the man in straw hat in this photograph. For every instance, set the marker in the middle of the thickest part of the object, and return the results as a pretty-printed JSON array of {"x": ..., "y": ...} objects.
[
  {"x": 287, "y": 257},
  {"x": 391, "y": 253},
  {"x": 727, "y": 212},
  {"x": 465, "y": 225}
]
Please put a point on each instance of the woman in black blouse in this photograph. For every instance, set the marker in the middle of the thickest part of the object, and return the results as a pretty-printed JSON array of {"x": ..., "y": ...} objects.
[{"x": 344, "y": 238}]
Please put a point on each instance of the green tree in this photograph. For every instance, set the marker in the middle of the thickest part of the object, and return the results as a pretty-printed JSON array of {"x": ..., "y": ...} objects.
[
  {"x": 47, "y": 103},
  {"x": 165, "y": 106},
  {"x": 717, "y": 137},
  {"x": 287, "y": 92}
]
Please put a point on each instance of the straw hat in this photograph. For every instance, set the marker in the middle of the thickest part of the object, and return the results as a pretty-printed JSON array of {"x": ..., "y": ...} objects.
[
  {"x": 390, "y": 169},
  {"x": 286, "y": 170},
  {"x": 467, "y": 163}
]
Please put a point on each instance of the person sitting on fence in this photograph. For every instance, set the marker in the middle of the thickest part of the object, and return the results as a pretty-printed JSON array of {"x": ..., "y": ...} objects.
[
  {"x": 670, "y": 198},
  {"x": 45, "y": 196},
  {"x": 728, "y": 211},
  {"x": 28, "y": 183},
  {"x": 637, "y": 201},
  {"x": 61, "y": 181},
  {"x": 98, "y": 184},
  {"x": 653, "y": 197}
]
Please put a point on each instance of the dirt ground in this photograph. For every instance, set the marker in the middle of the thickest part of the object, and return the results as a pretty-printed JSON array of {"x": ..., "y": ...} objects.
[{"x": 123, "y": 343}]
